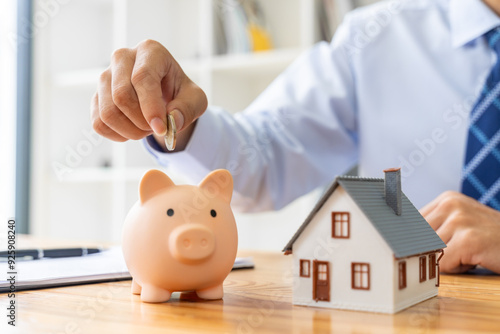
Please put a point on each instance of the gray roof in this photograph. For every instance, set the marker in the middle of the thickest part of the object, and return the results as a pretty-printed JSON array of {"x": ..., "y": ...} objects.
[{"x": 408, "y": 234}]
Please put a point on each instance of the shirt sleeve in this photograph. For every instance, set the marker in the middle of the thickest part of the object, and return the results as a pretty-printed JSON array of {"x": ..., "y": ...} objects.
[{"x": 297, "y": 135}]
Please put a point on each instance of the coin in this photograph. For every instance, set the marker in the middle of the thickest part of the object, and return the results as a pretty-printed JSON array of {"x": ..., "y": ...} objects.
[{"x": 171, "y": 136}]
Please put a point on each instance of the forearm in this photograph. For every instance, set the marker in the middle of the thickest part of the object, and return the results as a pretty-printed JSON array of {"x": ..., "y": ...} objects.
[{"x": 298, "y": 135}]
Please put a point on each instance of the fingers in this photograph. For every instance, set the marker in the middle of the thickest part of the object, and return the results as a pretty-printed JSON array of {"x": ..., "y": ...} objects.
[
  {"x": 429, "y": 207},
  {"x": 99, "y": 126},
  {"x": 189, "y": 104},
  {"x": 457, "y": 255},
  {"x": 113, "y": 117},
  {"x": 151, "y": 66},
  {"x": 123, "y": 94},
  {"x": 162, "y": 87},
  {"x": 436, "y": 218},
  {"x": 449, "y": 227},
  {"x": 450, "y": 213},
  {"x": 469, "y": 228},
  {"x": 440, "y": 209},
  {"x": 141, "y": 86}
]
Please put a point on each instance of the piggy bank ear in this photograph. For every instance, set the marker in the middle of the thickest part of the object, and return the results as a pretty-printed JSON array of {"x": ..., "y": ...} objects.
[
  {"x": 219, "y": 183},
  {"x": 152, "y": 182}
]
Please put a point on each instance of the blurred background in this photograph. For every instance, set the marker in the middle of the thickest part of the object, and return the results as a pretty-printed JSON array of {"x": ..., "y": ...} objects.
[{"x": 58, "y": 177}]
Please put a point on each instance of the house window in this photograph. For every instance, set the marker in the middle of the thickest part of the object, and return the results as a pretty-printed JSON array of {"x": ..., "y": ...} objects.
[
  {"x": 340, "y": 225},
  {"x": 423, "y": 268},
  {"x": 322, "y": 272},
  {"x": 360, "y": 274},
  {"x": 305, "y": 268},
  {"x": 402, "y": 275},
  {"x": 432, "y": 266}
]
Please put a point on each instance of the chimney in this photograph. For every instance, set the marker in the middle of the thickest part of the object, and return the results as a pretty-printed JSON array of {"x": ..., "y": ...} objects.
[{"x": 392, "y": 185}]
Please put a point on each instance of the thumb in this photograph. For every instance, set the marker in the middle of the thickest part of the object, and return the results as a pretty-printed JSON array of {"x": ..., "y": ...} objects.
[{"x": 189, "y": 103}]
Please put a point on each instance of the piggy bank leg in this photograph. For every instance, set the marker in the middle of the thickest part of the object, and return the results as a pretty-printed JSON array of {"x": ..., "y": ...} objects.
[
  {"x": 136, "y": 288},
  {"x": 152, "y": 294},
  {"x": 215, "y": 292}
]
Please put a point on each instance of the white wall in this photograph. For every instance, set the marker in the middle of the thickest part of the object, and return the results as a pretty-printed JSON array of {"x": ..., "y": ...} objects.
[
  {"x": 8, "y": 10},
  {"x": 414, "y": 291}
]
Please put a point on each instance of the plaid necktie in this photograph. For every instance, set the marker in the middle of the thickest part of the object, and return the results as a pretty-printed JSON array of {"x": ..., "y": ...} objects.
[{"x": 481, "y": 173}]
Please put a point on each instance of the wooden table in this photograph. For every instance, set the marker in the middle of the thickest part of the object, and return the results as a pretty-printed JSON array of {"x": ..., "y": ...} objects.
[{"x": 255, "y": 301}]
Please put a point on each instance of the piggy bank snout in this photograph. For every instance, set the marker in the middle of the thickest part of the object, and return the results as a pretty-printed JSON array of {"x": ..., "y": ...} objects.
[{"x": 191, "y": 242}]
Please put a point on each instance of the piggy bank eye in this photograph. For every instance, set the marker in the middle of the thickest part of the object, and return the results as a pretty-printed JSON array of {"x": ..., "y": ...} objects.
[
  {"x": 170, "y": 212},
  {"x": 213, "y": 213}
]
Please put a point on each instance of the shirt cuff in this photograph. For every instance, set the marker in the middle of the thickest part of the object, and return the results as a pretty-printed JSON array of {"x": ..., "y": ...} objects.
[{"x": 196, "y": 160}]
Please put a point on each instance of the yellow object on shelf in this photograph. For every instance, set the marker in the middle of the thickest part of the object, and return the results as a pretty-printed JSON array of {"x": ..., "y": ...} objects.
[{"x": 260, "y": 38}]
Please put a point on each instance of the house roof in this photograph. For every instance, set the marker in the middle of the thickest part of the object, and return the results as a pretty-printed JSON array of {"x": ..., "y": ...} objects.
[{"x": 408, "y": 234}]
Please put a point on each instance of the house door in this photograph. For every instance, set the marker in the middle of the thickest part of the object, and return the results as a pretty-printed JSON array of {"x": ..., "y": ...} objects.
[{"x": 321, "y": 281}]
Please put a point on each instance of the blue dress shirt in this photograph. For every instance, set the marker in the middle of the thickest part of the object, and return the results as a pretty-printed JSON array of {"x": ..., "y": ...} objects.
[{"x": 394, "y": 88}]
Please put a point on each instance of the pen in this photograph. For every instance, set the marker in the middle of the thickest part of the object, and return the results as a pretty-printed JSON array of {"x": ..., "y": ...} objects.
[{"x": 36, "y": 254}]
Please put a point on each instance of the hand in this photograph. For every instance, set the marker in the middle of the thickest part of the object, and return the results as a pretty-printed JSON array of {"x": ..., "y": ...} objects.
[
  {"x": 470, "y": 229},
  {"x": 138, "y": 90}
]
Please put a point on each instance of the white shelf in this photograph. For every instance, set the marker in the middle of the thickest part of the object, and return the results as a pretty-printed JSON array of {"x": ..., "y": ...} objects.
[
  {"x": 244, "y": 63},
  {"x": 103, "y": 175},
  {"x": 255, "y": 63},
  {"x": 78, "y": 78}
]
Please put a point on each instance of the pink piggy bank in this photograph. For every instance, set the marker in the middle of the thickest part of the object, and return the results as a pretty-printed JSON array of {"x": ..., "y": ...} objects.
[{"x": 180, "y": 238}]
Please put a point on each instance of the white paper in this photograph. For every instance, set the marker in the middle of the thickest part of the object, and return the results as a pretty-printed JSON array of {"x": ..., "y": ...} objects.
[{"x": 107, "y": 265}]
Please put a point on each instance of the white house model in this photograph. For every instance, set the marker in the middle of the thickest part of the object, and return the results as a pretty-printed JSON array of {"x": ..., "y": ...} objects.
[{"x": 365, "y": 247}]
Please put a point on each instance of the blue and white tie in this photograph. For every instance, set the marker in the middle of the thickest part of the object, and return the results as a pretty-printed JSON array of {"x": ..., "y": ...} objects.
[{"x": 481, "y": 173}]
